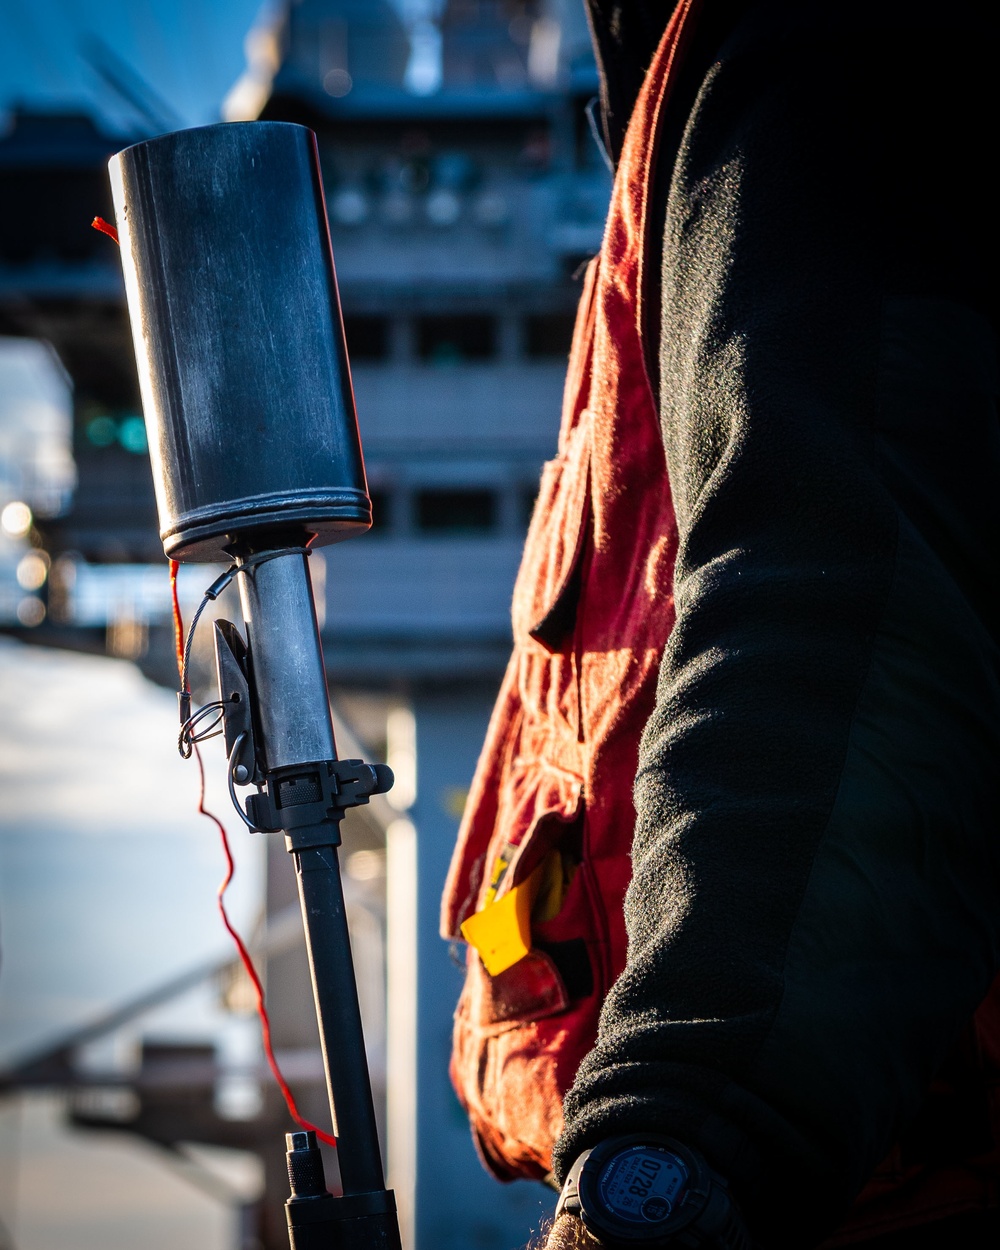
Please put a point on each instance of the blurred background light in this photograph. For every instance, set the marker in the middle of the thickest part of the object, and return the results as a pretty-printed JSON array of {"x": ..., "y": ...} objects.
[
  {"x": 31, "y": 612},
  {"x": 132, "y": 435},
  {"x": 16, "y": 519},
  {"x": 102, "y": 431},
  {"x": 32, "y": 570}
]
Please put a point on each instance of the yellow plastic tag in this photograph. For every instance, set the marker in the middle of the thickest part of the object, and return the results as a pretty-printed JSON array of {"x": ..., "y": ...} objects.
[{"x": 501, "y": 932}]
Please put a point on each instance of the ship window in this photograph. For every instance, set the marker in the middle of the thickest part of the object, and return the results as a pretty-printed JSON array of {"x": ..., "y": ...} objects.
[
  {"x": 367, "y": 337},
  {"x": 456, "y": 511},
  {"x": 451, "y": 340},
  {"x": 548, "y": 335}
]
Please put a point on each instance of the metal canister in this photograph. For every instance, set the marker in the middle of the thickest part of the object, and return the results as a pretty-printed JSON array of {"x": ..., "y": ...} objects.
[{"x": 239, "y": 338}]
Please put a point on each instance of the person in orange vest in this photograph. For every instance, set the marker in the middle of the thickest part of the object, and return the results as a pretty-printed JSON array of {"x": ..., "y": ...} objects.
[{"x": 729, "y": 873}]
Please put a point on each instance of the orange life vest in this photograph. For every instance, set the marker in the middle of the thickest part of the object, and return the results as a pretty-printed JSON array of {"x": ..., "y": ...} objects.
[{"x": 549, "y": 821}]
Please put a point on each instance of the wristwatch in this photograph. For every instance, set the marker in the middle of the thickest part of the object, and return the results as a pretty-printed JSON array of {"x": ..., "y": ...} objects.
[{"x": 645, "y": 1192}]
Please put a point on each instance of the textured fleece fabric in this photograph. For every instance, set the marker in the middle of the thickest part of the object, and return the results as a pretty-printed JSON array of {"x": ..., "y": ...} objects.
[{"x": 815, "y": 907}]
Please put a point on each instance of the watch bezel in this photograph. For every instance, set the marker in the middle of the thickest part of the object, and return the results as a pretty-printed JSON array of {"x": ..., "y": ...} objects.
[{"x": 602, "y": 1222}]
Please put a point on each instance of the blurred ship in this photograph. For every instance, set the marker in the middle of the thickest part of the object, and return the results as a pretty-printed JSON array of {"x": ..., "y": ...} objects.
[{"x": 465, "y": 193}]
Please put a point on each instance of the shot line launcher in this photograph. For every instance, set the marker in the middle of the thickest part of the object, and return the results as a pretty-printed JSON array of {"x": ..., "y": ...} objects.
[{"x": 246, "y": 389}]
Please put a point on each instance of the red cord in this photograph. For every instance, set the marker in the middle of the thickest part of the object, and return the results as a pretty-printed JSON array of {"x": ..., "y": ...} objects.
[
  {"x": 105, "y": 227},
  {"x": 178, "y": 621},
  {"x": 251, "y": 971},
  {"x": 245, "y": 959}
]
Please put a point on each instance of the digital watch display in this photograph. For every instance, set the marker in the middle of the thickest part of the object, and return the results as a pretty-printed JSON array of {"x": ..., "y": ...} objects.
[{"x": 652, "y": 1192}]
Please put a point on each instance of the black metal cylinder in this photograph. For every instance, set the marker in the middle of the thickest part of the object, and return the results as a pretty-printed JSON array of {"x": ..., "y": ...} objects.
[
  {"x": 336, "y": 995},
  {"x": 293, "y": 707},
  {"x": 364, "y": 1222},
  {"x": 238, "y": 336}
]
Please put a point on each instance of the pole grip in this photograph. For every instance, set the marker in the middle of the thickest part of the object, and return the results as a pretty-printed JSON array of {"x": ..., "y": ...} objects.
[
  {"x": 319, "y": 1221},
  {"x": 358, "y": 1222}
]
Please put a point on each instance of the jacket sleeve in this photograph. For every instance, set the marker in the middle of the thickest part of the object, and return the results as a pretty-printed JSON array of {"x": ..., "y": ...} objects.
[{"x": 814, "y": 909}]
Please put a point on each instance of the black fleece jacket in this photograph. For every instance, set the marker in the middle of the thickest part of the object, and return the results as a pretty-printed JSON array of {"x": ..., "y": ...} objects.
[{"x": 815, "y": 908}]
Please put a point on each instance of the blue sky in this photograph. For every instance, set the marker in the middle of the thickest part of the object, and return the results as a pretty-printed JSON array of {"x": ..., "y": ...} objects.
[{"x": 190, "y": 52}]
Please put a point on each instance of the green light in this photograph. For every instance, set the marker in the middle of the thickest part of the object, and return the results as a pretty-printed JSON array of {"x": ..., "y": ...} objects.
[
  {"x": 102, "y": 431},
  {"x": 132, "y": 435}
]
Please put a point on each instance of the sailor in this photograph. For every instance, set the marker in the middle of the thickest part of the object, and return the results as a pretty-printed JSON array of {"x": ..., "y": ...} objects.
[{"x": 730, "y": 869}]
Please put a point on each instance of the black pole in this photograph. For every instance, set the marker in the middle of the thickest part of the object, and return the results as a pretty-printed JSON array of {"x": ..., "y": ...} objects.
[{"x": 336, "y": 997}]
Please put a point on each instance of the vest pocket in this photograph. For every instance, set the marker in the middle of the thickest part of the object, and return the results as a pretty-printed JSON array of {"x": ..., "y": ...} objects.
[
  {"x": 556, "y": 967},
  {"x": 529, "y": 990},
  {"x": 547, "y": 589},
  {"x": 520, "y": 1036}
]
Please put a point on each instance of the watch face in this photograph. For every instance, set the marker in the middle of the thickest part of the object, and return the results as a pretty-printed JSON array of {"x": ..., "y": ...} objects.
[{"x": 642, "y": 1185}]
